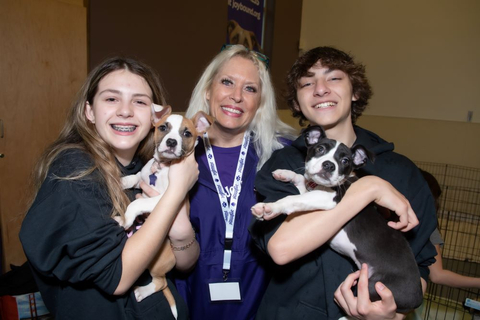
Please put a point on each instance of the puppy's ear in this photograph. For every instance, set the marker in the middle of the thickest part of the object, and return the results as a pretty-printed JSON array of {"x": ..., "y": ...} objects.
[
  {"x": 231, "y": 25},
  {"x": 254, "y": 43},
  {"x": 361, "y": 155},
  {"x": 313, "y": 134},
  {"x": 202, "y": 121},
  {"x": 160, "y": 113}
]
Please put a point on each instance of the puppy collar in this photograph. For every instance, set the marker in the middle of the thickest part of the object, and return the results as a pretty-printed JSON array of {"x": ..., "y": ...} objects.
[
  {"x": 310, "y": 185},
  {"x": 156, "y": 166}
]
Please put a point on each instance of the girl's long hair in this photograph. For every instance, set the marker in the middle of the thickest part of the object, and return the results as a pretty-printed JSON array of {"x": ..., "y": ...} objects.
[{"x": 79, "y": 133}]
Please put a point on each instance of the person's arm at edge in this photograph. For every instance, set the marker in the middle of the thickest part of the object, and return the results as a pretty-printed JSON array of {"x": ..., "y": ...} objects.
[{"x": 442, "y": 276}]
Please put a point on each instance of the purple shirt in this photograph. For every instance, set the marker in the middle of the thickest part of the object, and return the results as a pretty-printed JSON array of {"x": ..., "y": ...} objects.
[{"x": 247, "y": 264}]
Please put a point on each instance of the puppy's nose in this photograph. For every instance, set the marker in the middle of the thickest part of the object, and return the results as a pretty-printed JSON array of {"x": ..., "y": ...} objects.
[
  {"x": 171, "y": 143},
  {"x": 328, "y": 166}
]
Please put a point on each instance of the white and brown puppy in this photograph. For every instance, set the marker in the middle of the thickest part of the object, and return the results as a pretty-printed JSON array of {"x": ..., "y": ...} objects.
[
  {"x": 238, "y": 35},
  {"x": 366, "y": 238},
  {"x": 175, "y": 138}
]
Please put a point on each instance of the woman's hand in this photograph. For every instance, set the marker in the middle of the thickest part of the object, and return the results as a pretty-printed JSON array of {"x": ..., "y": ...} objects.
[
  {"x": 385, "y": 195},
  {"x": 135, "y": 255},
  {"x": 147, "y": 189},
  {"x": 181, "y": 231},
  {"x": 361, "y": 307},
  {"x": 183, "y": 174}
]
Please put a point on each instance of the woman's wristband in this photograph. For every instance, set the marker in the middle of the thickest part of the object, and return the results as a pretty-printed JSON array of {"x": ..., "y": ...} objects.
[{"x": 185, "y": 247}]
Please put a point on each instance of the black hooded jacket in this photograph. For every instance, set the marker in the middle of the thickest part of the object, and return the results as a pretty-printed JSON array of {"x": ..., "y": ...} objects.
[
  {"x": 303, "y": 289},
  {"x": 75, "y": 249}
]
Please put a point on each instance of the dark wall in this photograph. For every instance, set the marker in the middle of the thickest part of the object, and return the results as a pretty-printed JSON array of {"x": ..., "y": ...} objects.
[{"x": 179, "y": 38}]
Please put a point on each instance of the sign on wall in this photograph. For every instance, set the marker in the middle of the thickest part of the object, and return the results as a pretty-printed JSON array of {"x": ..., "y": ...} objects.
[{"x": 246, "y": 23}]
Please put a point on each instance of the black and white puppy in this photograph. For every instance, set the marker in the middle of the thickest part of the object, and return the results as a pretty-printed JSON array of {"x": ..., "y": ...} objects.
[{"x": 366, "y": 238}]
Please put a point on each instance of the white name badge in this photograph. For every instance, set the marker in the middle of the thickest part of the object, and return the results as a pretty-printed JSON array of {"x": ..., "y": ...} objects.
[{"x": 225, "y": 291}]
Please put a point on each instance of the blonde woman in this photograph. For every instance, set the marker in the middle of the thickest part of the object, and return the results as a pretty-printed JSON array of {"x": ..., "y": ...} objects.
[{"x": 230, "y": 276}]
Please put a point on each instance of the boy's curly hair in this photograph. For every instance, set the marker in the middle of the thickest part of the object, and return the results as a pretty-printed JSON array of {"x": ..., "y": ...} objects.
[{"x": 334, "y": 59}]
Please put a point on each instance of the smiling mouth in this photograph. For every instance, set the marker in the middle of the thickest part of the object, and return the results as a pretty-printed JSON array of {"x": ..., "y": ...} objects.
[
  {"x": 123, "y": 128},
  {"x": 236, "y": 111},
  {"x": 325, "y": 105}
]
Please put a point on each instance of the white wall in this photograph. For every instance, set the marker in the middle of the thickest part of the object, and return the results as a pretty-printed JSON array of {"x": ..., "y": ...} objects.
[
  {"x": 423, "y": 62},
  {"x": 422, "y": 57}
]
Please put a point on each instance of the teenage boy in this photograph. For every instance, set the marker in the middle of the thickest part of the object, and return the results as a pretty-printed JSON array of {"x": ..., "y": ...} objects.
[{"x": 327, "y": 87}]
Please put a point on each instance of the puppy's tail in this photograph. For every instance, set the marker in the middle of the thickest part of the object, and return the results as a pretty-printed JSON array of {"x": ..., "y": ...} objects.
[{"x": 171, "y": 301}]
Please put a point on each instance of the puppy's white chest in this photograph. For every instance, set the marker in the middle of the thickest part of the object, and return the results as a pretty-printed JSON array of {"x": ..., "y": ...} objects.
[{"x": 155, "y": 176}]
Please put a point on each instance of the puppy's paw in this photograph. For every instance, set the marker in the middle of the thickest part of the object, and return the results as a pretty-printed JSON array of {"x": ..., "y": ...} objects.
[
  {"x": 330, "y": 205},
  {"x": 331, "y": 201},
  {"x": 130, "y": 216},
  {"x": 120, "y": 220},
  {"x": 144, "y": 291},
  {"x": 258, "y": 211},
  {"x": 130, "y": 181},
  {"x": 284, "y": 175},
  {"x": 266, "y": 211},
  {"x": 274, "y": 209}
]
